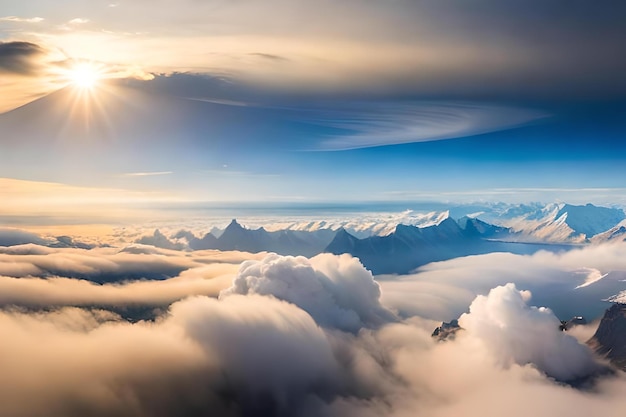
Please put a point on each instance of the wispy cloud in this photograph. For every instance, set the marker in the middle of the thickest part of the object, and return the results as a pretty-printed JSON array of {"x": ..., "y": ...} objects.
[
  {"x": 231, "y": 173},
  {"x": 22, "y": 19},
  {"x": 394, "y": 124},
  {"x": 271, "y": 57},
  {"x": 147, "y": 174},
  {"x": 78, "y": 21},
  {"x": 219, "y": 101},
  {"x": 599, "y": 195}
]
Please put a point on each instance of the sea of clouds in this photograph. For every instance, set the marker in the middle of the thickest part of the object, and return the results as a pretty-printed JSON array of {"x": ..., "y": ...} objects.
[{"x": 141, "y": 331}]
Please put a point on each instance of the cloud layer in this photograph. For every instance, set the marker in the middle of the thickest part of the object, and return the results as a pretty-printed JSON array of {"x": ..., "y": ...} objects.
[
  {"x": 256, "y": 355},
  {"x": 237, "y": 334},
  {"x": 444, "y": 290},
  {"x": 39, "y": 277}
]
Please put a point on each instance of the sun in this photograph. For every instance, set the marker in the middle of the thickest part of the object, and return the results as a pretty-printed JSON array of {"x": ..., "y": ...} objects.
[{"x": 84, "y": 76}]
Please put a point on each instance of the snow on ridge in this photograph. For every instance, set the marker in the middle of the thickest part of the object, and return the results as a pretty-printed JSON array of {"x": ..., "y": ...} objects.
[
  {"x": 592, "y": 220},
  {"x": 558, "y": 222},
  {"x": 365, "y": 224},
  {"x": 614, "y": 234},
  {"x": 544, "y": 226}
]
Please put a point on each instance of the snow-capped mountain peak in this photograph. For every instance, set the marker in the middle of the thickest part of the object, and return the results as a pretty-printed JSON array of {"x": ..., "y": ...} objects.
[{"x": 559, "y": 222}]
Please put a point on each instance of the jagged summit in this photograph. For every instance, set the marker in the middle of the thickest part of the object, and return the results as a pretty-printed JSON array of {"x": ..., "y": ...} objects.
[
  {"x": 476, "y": 227},
  {"x": 234, "y": 224},
  {"x": 343, "y": 242},
  {"x": 589, "y": 219}
]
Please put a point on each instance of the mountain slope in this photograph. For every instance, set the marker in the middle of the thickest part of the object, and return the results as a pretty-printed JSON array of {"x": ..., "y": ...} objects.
[
  {"x": 476, "y": 227},
  {"x": 557, "y": 223},
  {"x": 610, "y": 338},
  {"x": 589, "y": 219},
  {"x": 614, "y": 234}
]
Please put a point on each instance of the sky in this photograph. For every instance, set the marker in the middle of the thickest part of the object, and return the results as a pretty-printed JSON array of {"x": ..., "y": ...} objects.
[{"x": 299, "y": 101}]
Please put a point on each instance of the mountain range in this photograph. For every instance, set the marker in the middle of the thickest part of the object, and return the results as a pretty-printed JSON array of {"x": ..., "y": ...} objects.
[
  {"x": 400, "y": 251},
  {"x": 558, "y": 223},
  {"x": 237, "y": 237},
  {"x": 409, "y": 247},
  {"x": 439, "y": 237}
]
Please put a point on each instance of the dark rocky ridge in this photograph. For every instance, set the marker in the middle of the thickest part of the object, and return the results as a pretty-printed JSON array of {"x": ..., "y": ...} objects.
[{"x": 609, "y": 340}]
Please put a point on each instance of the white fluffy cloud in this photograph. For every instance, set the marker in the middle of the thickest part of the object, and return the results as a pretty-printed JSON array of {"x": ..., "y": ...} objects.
[
  {"x": 248, "y": 345},
  {"x": 336, "y": 290},
  {"x": 515, "y": 332}
]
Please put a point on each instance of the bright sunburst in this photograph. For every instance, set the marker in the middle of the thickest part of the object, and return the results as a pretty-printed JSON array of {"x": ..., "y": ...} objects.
[{"x": 84, "y": 76}]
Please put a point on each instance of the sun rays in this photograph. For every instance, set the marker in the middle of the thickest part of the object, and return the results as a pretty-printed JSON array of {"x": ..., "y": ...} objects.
[
  {"x": 89, "y": 87},
  {"x": 84, "y": 75}
]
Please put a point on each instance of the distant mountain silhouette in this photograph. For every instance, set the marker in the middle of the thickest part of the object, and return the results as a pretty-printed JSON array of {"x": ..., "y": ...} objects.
[
  {"x": 284, "y": 242},
  {"x": 238, "y": 237},
  {"x": 476, "y": 227},
  {"x": 404, "y": 250},
  {"x": 409, "y": 247},
  {"x": 208, "y": 241}
]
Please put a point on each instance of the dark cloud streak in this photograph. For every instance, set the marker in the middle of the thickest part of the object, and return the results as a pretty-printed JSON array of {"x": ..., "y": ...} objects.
[
  {"x": 270, "y": 57},
  {"x": 19, "y": 57}
]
